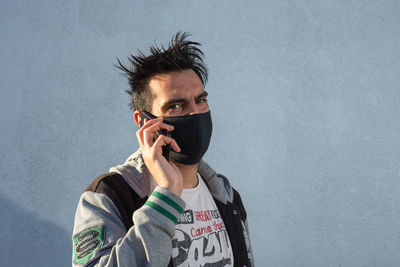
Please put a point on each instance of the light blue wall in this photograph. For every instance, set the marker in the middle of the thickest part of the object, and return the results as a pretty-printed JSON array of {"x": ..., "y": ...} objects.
[{"x": 305, "y": 101}]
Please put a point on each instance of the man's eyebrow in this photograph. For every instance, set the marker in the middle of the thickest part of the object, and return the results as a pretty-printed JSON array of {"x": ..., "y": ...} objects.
[{"x": 204, "y": 94}]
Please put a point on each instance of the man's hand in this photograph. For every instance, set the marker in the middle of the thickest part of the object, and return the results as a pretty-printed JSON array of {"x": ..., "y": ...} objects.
[{"x": 165, "y": 173}]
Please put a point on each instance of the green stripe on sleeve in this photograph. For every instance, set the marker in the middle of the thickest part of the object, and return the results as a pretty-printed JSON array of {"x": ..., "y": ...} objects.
[
  {"x": 163, "y": 211},
  {"x": 168, "y": 201}
]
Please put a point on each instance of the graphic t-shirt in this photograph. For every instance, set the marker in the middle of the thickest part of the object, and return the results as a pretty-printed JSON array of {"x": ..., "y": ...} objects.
[{"x": 200, "y": 235}]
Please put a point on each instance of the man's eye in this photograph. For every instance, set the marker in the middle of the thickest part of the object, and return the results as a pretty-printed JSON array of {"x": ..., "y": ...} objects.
[
  {"x": 202, "y": 100},
  {"x": 175, "y": 106}
]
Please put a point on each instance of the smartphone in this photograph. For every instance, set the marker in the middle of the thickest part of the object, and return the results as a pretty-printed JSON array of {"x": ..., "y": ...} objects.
[{"x": 167, "y": 148}]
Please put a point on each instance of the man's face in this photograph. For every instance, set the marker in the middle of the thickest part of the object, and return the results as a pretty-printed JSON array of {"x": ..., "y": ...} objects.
[{"x": 177, "y": 93}]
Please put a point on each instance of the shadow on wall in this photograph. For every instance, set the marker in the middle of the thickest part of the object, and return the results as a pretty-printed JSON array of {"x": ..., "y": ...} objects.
[{"x": 27, "y": 240}]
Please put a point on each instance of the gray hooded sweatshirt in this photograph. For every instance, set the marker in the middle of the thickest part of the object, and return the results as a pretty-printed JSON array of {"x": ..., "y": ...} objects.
[{"x": 124, "y": 219}]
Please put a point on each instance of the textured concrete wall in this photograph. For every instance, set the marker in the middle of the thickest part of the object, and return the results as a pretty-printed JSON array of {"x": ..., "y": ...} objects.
[{"x": 305, "y": 101}]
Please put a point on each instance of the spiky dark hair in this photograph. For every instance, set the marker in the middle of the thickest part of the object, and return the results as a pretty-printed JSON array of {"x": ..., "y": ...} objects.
[{"x": 181, "y": 54}]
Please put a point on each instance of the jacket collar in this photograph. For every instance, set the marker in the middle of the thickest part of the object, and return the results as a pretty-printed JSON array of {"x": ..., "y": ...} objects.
[{"x": 138, "y": 177}]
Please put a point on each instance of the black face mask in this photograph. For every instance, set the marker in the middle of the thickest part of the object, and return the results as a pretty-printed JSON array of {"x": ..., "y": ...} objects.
[{"x": 193, "y": 134}]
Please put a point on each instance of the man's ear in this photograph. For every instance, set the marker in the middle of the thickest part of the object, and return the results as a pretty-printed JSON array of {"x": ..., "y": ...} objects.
[{"x": 137, "y": 117}]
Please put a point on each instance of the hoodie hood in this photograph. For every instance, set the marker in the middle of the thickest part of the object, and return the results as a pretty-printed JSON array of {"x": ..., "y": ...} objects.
[{"x": 138, "y": 177}]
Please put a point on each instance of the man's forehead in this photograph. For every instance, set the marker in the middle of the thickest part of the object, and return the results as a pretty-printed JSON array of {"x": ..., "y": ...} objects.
[
  {"x": 175, "y": 84},
  {"x": 175, "y": 77},
  {"x": 163, "y": 78}
]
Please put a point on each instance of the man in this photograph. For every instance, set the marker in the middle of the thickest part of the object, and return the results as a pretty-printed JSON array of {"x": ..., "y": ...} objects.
[{"x": 164, "y": 206}]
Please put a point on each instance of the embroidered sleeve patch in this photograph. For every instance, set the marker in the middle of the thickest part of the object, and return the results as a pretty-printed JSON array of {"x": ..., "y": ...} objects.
[{"x": 86, "y": 242}]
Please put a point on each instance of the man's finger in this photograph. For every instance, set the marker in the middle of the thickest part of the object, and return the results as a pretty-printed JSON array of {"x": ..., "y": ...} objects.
[
  {"x": 148, "y": 138},
  {"x": 148, "y": 123},
  {"x": 159, "y": 126},
  {"x": 140, "y": 132},
  {"x": 165, "y": 140}
]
